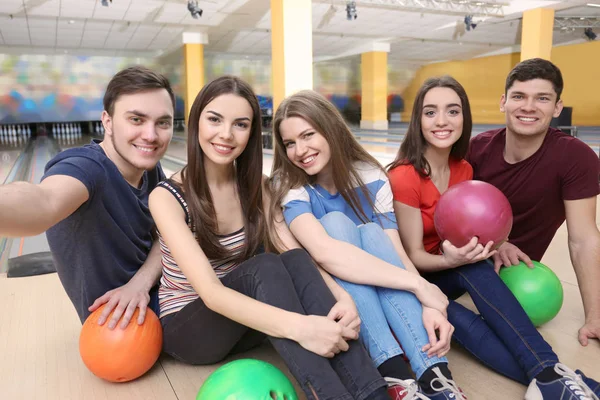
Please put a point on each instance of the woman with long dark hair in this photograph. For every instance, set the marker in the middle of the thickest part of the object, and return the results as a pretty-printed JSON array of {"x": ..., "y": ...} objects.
[{"x": 220, "y": 294}]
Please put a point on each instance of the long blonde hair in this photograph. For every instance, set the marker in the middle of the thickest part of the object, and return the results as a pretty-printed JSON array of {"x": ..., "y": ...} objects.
[{"x": 345, "y": 152}]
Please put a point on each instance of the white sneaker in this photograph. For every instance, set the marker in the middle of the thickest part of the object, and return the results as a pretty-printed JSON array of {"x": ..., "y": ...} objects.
[
  {"x": 569, "y": 387},
  {"x": 408, "y": 389},
  {"x": 447, "y": 388}
]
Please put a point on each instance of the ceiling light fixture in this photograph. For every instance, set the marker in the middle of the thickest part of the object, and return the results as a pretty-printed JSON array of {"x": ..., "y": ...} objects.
[
  {"x": 194, "y": 9},
  {"x": 589, "y": 33},
  {"x": 351, "y": 10}
]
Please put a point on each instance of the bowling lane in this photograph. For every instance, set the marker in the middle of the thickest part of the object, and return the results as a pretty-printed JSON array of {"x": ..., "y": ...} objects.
[
  {"x": 43, "y": 151},
  {"x": 9, "y": 162}
]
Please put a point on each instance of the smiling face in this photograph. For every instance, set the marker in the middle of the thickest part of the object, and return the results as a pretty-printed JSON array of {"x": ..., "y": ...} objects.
[
  {"x": 140, "y": 129},
  {"x": 305, "y": 147},
  {"x": 530, "y": 107},
  {"x": 441, "y": 118},
  {"x": 224, "y": 128}
]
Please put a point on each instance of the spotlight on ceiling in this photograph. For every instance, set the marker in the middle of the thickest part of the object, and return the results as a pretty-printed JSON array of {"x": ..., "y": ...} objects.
[
  {"x": 469, "y": 22},
  {"x": 589, "y": 33},
  {"x": 194, "y": 9},
  {"x": 351, "y": 10},
  {"x": 105, "y": 3}
]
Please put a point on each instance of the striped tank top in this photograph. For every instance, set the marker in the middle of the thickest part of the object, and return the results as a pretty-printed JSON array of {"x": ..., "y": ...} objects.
[{"x": 175, "y": 291}]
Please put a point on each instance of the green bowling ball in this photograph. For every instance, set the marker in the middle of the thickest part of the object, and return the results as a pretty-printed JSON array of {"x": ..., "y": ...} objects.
[
  {"x": 538, "y": 290},
  {"x": 247, "y": 379}
]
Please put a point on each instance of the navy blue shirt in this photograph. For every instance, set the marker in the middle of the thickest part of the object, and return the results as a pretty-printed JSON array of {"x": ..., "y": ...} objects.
[{"x": 106, "y": 240}]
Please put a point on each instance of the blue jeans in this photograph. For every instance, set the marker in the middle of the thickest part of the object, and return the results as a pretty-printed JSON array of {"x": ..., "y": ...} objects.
[
  {"x": 502, "y": 337},
  {"x": 382, "y": 308}
]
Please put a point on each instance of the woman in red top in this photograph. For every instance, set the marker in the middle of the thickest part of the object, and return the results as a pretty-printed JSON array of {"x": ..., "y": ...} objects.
[{"x": 431, "y": 159}]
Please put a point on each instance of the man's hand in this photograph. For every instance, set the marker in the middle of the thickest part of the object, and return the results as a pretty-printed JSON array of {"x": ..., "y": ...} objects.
[
  {"x": 124, "y": 299},
  {"x": 345, "y": 313},
  {"x": 433, "y": 320},
  {"x": 508, "y": 254},
  {"x": 591, "y": 330}
]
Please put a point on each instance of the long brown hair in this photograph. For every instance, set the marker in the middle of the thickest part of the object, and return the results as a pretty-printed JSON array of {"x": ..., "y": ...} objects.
[
  {"x": 412, "y": 149},
  {"x": 248, "y": 170},
  {"x": 345, "y": 151}
]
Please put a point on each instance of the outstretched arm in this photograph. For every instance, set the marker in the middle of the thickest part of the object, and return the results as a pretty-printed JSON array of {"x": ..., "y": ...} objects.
[
  {"x": 28, "y": 209},
  {"x": 584, "y": 248}
]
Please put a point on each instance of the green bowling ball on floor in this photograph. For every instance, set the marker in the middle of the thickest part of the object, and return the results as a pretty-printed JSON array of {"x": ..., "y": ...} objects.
[
  {"x": 538, "y": 290},
  {"x": 247, "y": 379}
]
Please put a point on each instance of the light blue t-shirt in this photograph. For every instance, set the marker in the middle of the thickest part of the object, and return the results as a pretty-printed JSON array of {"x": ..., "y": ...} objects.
[{"x": 316, "y": 200}]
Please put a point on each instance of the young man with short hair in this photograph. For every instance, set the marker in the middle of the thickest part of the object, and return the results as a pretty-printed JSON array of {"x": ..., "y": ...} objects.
[
  {"x": 547, "y": 176},
  {"x": 93, "y": 202}
]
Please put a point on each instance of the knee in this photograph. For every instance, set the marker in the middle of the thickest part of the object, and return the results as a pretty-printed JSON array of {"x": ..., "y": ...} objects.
[
  {"x": 482, "y": 268},
  {"x": 336, "y": 218},
  {"x": 373, "y": 230},
  {"x": 339, "y": 226},
  {"x": 264, "y": 266},
  {"x": 298, "y": 260},
  {"x": 295, "y": 256}
]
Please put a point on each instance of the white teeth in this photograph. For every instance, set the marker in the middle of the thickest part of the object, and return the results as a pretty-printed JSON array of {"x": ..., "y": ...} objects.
[
  {"x": 222, "y": 148},
  {"x": 525, "y": 119},
  {"x": 308, "y": 159},
  {"x": 442, "y": 133},
  {"x": 145, "y": 149}
]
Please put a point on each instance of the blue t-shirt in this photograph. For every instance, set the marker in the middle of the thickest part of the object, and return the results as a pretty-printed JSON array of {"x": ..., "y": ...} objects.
[
  {"x": 319, "y": 202},
  {"x": 106, "y": 240}
]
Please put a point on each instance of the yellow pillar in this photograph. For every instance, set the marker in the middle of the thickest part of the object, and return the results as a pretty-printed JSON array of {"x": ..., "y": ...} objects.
[
  {"x": 374, "y": 82},
  {"x": 193, "y": 67},
  {"x": 536, "y": 35},
  {"x": 291, "y": 48}
]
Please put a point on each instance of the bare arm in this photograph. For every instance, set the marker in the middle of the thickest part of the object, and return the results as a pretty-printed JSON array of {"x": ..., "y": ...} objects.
[
  {"x": 150, "y": 272},
  {"x": 353, "y": 264},
  {"x": 28, "y": 210},
  {"x": 346, "y": 261},
  {"x": 584, "y": 248},
  {"x": 410, "y": 225},
  {"x": 289, "y": 242},
  {"x": 134, "y": 294},
  {"x": 395, "y": 238},
  {"x": 192, "y": 261}
]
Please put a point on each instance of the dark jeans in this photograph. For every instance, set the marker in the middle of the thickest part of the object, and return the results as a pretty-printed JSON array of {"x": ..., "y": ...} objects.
[
  {"x": 289, "y": 281},
  {"x": 502, "y": 336}
]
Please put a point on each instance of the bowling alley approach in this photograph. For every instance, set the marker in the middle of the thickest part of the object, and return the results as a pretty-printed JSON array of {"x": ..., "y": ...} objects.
[{"x": 299, "y": 199}]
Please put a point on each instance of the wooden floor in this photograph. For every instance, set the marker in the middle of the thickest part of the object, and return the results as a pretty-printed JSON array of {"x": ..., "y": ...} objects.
[{"x": 39, "y": 357}]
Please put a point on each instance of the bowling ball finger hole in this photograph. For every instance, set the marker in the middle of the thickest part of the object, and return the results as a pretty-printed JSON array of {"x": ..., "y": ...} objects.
[{"x": 274, "y": 396}]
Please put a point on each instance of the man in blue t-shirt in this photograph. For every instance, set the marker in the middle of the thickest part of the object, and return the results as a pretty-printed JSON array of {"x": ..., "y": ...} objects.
[{"x": 93, "y": 202}]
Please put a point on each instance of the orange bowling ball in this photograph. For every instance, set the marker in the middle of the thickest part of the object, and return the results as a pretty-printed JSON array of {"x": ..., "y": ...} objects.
[{"x": 120, "y": 355}]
